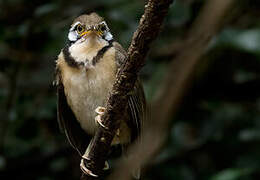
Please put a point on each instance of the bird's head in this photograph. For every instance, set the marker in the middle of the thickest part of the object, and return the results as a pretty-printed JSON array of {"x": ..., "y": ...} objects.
[{"x": 89, "y": 26}]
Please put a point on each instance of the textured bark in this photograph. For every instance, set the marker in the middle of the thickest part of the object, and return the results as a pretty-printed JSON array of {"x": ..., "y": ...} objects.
[{"x": 147, "y": 31}]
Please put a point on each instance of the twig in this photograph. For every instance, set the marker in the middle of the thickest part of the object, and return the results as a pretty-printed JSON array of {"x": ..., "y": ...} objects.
[{"x": 147, "y": 31}]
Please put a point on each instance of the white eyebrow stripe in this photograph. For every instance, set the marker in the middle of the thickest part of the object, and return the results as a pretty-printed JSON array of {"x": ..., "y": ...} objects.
[{"x": 74, "y": 25}]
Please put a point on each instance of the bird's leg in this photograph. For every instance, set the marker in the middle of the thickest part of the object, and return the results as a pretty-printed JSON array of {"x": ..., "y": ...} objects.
[{"x": 100, "y": 111}]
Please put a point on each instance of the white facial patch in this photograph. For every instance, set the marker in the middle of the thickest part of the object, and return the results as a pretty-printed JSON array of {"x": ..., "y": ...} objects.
[
  {"x": 73, "y": 36},
  {"x": 108, "y": 36}
]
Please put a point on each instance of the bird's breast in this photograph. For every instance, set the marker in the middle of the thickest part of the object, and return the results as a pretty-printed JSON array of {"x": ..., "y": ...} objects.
[{"x": 86, "y": 89}]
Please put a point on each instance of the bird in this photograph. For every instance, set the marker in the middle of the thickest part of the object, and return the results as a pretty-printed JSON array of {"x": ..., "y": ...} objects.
[{"x": 85, "y": 71}]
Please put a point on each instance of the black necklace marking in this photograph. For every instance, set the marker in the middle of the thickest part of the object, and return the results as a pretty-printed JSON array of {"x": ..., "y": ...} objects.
[
  {"x": 101, "y": 53},
  {"x": 69, "y": 59},
  {"x": 73, "y": 63}
]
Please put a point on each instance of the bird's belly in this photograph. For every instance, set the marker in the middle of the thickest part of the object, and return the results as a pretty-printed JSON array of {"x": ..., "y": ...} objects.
[{"x": 86, "y": 91}]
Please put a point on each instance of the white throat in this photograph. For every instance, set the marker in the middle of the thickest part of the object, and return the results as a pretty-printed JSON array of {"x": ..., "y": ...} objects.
[{"x": 84, "y": 50}]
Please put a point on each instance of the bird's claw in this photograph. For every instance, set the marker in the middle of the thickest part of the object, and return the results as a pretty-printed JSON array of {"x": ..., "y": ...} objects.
[
  {"x": 85, "y": 157},
  {"x": 85, "y": 170},
  {"x": 100, "y": 111}
]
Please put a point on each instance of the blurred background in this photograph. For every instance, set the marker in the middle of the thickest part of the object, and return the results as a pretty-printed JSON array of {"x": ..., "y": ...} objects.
[{"x": 215, "y": 134}]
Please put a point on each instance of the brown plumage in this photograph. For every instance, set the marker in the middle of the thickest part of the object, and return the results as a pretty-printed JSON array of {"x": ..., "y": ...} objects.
[
  {"x": 86, "y": 70},
  {"x": 89, "y": 19}
]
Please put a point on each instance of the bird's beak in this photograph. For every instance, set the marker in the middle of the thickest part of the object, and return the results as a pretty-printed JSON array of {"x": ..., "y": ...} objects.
[
  {"x": 90, "y": 31},
  {"x": 85, "y": 33}
]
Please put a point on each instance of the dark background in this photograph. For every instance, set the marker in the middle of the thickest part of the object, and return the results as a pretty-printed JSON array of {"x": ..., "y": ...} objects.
[{"x": 214, "y": 136}]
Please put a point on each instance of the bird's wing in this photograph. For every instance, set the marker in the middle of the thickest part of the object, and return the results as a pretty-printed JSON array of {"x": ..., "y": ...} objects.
[
  {"x": 136, "y": 99},
  {"x": 67, "y": 120},
  {"x": 137, "y": 110}
]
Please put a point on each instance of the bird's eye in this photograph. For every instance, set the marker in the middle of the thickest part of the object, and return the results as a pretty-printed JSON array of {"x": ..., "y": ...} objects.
[
  {"x": 80, "y": 28},
  {"x": 103, "y": 27}
]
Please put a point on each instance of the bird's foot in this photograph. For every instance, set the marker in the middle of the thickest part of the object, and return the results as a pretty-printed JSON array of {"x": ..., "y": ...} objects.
[
  {"x": 84, "y": 169},
  {"x": 100, "y": 111},
  {"x": 87, "y": 171}
]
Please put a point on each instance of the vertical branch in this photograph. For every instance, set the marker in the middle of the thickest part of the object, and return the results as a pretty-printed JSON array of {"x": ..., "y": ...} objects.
[
  {"x": 147, "y": 31},
  {"x": 174, "y": 86}
]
